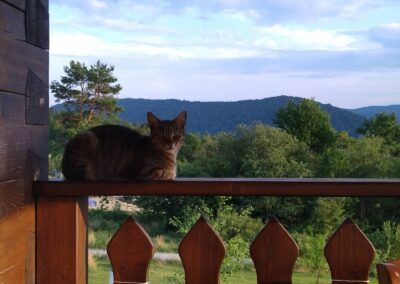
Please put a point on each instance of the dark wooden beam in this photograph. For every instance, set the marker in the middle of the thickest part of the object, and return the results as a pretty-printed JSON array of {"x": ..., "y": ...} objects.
[
  {"x": 231, "y": 186},
  {"x": 37, "y": 23}
]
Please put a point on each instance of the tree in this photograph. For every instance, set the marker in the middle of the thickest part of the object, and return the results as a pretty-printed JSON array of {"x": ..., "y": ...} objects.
[
  {"x": 383, "y": 125},
  {"x": 88, "y": 92},
  {"x": 308, "y": 123}
]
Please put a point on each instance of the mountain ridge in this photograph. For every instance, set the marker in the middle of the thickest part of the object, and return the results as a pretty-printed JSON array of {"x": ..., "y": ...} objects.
[
  {"x": 213, "y": 117},
  {"x": 371, "y": 111}
]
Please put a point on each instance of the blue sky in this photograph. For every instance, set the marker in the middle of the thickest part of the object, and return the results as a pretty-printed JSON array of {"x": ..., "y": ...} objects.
[{"x": 343, "y": 52}]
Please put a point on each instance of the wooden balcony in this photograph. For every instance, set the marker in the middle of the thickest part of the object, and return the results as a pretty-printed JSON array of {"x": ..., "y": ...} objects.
[{"x": 61, "y": 226}]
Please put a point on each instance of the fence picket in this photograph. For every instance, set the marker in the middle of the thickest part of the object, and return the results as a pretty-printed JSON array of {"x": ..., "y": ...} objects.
[
  {"x": 349, "y": 254},
  {"x": 202, "y": 252},
  {"x": 130, "y": 251},
  {"x": 274, "y": 254},
  {"x": 389, "y": 272}
]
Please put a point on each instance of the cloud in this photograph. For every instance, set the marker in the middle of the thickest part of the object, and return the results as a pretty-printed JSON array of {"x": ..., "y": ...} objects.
[
  {"x": 387, "y": 35},
  {"x": 287, "y": 38},
  {"x": 267, "y": 11}
]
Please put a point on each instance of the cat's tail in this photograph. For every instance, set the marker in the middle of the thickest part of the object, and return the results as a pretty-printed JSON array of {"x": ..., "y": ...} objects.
[{"x": 81, "y": 157}]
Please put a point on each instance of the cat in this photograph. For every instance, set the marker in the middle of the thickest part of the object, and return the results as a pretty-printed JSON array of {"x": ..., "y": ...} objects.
[{"x": 113, "y": 152}]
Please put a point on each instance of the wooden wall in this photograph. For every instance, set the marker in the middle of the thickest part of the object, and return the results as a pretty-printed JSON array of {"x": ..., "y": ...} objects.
[{"x": 24, "y": 61}]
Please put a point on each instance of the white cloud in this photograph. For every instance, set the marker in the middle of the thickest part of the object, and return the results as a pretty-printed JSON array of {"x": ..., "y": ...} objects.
[
  {"x": 287, "y": 38},
  {"x": 98, "y": 4}
]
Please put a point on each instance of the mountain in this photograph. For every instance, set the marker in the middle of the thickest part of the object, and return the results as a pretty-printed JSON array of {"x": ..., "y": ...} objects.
[
  {"x": 370, "y": 111},
  {"x": 213, "y": 117}
]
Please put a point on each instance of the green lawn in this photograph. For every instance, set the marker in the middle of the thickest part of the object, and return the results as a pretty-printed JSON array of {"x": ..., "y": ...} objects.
[{"x": 169, "y": 273}]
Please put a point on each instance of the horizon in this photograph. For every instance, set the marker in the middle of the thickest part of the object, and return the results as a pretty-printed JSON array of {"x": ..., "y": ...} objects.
[
  {"x": 227, "y": 101},
  {"x": 344, "y": 53}
]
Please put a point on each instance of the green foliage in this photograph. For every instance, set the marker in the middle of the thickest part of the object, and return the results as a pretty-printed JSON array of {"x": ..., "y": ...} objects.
[
  {"x": 328, "y": 213},
  {"x": 270, "y": 152},
  {"x": 88, "y": 92},
  {"x": 383, "y": 125},
  {"x": 308, "y": 122},
  {"x": 312, "y": 253}
]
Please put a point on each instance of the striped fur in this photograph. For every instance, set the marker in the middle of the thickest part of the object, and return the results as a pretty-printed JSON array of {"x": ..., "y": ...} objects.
[{"x": 113, "y": 152}]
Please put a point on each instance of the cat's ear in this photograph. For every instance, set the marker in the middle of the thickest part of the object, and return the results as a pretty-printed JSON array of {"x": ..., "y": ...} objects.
[
  {"x": 181, "y": 119},
  {"x": 152, "y": 120}
]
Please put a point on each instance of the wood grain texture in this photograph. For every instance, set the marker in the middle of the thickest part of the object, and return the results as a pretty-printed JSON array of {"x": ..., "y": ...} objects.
[
  {"x": 13, "y": 147},
  {"x": 37, "y": 100},
  {"x": 14, "y": 274},
  {"x": 61, "y": 240},
  {"x": 38, "y": 145},
  {"x": 12, "y": 110},
  {"x": 16, "y": 57},
  {"x": 130, "y": 251},
  {"x": 12, "y": 196},
  {"x": 37, "y": 23},
  {"x": 24, "y": 155},
  {"x": 274, "y": 253},
  {"x": 220, "y": 187},
  {"x": 349, "y": 254},
  {"x": 23, "y": 149},
  {"x": 202, "y": 252},
  {"x": 389, "y": 272},
  {"x": 12, "y": 21},
  {"x": 16, "y": 231}
]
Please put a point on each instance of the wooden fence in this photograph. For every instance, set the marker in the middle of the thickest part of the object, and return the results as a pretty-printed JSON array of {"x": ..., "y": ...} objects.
[{"x": 62, "y": 232}]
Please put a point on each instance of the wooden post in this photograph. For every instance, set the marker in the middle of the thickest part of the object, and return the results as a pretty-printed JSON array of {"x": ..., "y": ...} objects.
[{"x": 61, "y": 240}]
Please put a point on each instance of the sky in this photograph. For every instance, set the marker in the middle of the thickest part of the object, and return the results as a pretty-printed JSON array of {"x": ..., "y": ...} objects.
[{"x": 342, "y": 52}]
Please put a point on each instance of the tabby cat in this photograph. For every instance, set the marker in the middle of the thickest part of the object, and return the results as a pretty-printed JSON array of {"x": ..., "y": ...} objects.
[{"x": 113, "y": 152}]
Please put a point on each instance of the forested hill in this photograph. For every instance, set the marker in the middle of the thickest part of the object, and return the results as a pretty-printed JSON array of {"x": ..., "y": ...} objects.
[
  {"x": 213, "y": 117},
  {"x": 370, "y": 111}
]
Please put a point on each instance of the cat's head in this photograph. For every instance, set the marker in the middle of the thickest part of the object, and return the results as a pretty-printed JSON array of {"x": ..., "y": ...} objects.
[{"x": 167, "y": 135}]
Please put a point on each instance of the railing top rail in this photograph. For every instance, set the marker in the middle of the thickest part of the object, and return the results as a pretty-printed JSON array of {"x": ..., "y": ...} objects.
[{"x": 223, "y": 187}]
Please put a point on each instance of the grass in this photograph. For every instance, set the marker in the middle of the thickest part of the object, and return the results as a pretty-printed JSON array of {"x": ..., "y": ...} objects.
[{"x": 172, "y": 273}]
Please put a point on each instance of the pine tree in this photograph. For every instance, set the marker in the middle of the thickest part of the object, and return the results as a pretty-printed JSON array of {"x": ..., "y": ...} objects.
[{"x": 88, "y": 93}]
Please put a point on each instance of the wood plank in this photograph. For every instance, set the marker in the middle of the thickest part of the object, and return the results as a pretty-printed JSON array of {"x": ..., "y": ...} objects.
[
  {"x": 130, "y": 251},
  {"x": 12, "y": 21},
  {"x": 15, "y": 237},
  {"x": 13, "y": 147},
  {"x": 37, "y": 23},
  {"x": 20, "y": 4},
  {"x": 12, "y": 110},
  {"x": 221, "y": 187},
  {"x": 202, "y": 252},
  {"x": 349, "y": 254},
  {"x": 12, "y": 196},
  {"x": 37, "y": 100},
  {"x": 16, "y": 57},
  {"x": 61, "y": 242}
]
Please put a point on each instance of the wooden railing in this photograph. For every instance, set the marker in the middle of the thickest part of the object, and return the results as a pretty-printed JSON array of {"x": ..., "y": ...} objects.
[{"x": 61, "y": 231}]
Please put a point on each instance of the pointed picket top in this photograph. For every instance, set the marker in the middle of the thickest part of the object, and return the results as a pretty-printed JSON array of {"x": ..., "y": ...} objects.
[
  {"x": 274, "y": 253},
  {"x": 202, "y": 252},
  {"x": 349, "y": 254},
  {"x": 130, "y": 251}
]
